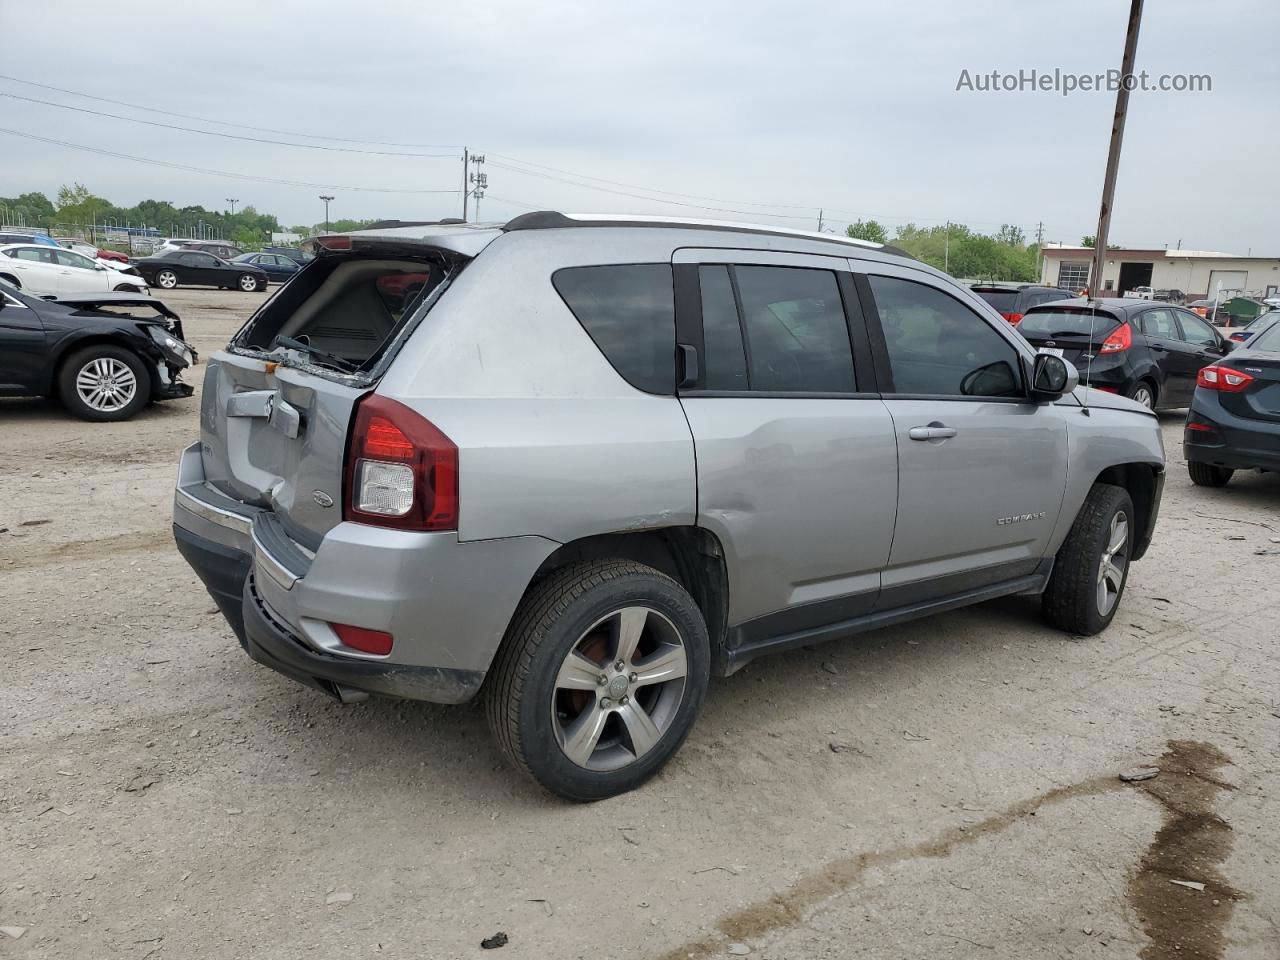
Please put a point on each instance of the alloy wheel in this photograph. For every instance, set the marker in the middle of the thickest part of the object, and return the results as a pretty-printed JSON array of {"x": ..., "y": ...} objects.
[
  {"x": 248, "y": 283},
  {"x": 167, "y": 279},
  {"x": 1115, "y": 559},
  {"x": 1142, "y": 395},
  {"x": 106, "y": 384},
  {"x": 619, "y": 689}
]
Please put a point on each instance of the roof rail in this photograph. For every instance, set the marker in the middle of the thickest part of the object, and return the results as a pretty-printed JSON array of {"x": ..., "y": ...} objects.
[
  {"x": 391, "y": 224},
  {"x": 554, "y": 219}
]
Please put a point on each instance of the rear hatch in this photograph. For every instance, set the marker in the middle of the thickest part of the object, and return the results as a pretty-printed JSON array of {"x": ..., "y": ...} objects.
[
  {"x": 1004, "y": 299},
  {"x": 1073, "y": 330},
  {"x": 1260, "y": 398},
  {"x": 278, "y": 401}
]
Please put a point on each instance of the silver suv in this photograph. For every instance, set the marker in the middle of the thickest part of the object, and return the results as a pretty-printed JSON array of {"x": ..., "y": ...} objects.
[{"x": 578, "y": 465}]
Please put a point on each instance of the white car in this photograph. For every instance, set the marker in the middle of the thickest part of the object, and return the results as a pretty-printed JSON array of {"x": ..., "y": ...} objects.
[{"x": 46, "y": 271}]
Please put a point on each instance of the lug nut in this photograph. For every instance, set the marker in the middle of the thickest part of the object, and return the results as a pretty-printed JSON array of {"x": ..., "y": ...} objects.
[
  {"x": 619, "y": 665},
  {"x": 634, "y": 677},
  {"x": 603, "y": 680},
  {"x": 605, "y": 703},
  {"x": 624, "y": 701}
]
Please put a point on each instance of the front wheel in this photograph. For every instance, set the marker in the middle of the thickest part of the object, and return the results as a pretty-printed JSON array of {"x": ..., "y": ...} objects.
[
  {"x": 1207, "y": 475},
  {"x": 599, "y": 679},
  {"x": 167, "y": 279},
  {"x": 104, "y": 382},
  {"x": 1092, "y": 566},
  {"x": 248, "y": 282}
]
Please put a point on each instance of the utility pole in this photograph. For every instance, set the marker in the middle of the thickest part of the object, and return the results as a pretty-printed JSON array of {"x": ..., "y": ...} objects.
[
  {"x": 1040, "y": 250},
  {"x": 1113, "y": 152},
  {"x": 481, "y": 180},
  {"x": 819, "y": 219},
  {"x": 466, "y": 191},
  {"x": 946, "y": 250},
  {"x": 233, "y": 201},
  {"x": 326, "y": 211}
]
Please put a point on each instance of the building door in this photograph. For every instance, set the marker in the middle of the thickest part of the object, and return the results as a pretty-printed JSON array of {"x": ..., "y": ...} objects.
[{"x": 1134, "y": 275}]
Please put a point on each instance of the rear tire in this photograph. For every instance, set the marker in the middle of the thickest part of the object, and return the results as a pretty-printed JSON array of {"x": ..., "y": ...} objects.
[
  {"x": 104, "y": 383},
  {"x": 580, "y": 738},
  {"x": 1092, "y": 566},
  {"x": 1207, "y": 475},
  {"x": 1144, "y": 393}
]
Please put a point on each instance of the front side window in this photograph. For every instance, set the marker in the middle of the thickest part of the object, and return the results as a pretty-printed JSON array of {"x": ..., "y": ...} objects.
[
  {"x": 66, "y": 258},
  {"x": 796, "y": 336},
  {"x": 628, "y": 310},
  {"x": 1196, "y": 331},
  {"x": 937, "y": 346}
]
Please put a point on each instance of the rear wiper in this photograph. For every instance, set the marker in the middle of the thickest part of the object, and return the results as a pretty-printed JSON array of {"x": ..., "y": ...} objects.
[{"x": 315, "y": 353}]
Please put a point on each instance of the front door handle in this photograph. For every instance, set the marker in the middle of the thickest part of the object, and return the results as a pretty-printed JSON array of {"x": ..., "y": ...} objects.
[{"x": 934, "y": 431}]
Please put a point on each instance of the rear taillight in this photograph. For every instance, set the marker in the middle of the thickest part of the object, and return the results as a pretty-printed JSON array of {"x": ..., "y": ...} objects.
[
  {"x": 334, "y": 242},
  {"x": 367, "y": 641},
  {"x": 1121, "y": 339},
  {"x": 1240, "y": 337},
  {"x": 401, "y": 470},
  {"x": 1223, "y": 379},
  {"x": 1014, "y": 318},
  {"x": 1197, "y": 427}
]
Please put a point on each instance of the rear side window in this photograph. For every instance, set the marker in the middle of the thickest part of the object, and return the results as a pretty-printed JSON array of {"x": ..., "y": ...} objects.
[
  {"x": 629, "y": 311},
  {"x": 726, "y": 362}
]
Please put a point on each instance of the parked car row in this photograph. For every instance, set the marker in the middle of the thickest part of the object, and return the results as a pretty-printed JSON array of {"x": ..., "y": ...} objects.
[{"x": 53, "y": 271}]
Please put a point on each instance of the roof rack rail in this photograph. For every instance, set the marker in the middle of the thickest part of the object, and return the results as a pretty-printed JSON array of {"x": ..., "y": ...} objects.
[
  {"x": 554, "y": 219},
  {"x": 391, "y": 224}
]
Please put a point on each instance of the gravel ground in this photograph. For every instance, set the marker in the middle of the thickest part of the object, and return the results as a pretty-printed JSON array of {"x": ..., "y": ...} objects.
[{"x": 946, "y": 788}]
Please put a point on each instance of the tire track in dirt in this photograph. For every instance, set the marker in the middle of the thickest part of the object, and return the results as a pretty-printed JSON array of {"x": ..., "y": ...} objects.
[{"x": 17, "y": 556}]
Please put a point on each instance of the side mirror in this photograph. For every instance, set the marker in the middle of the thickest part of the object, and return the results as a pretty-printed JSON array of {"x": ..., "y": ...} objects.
[{"x": 1052, "y": 377}]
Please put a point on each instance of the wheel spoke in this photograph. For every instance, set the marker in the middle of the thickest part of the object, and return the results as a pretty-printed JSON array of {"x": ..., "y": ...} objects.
[
  {"x": 631, "y": 621},
  {"x": 1119, "y": 534},
  {"x": 668, "y": 663},
  {"x": 640, "y": 728},
  {"x": 1113, "y": 575},
  {"x": 578, "y": 673},
  {"x": 583, "y": 734}
]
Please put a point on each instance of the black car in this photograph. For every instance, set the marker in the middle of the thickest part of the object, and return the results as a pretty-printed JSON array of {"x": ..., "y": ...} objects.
[
  {"x": 277, "y": 266},
  {"x": 1234, "y": 421},
  {"x": 105, "y": 355},
  {"x": 193, "y": 268},
  {"x": 223, "y": 251},
  {"x": 1013, "y": 300},
  {"x": 1143, "y": 349}
]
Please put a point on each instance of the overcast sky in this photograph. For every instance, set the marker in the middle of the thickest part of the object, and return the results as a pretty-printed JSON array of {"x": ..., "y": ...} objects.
[{"x": 769, "y": 108}]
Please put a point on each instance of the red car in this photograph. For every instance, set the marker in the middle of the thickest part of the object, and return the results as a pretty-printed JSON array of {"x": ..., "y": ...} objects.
[{"x": 113, "y": 255}]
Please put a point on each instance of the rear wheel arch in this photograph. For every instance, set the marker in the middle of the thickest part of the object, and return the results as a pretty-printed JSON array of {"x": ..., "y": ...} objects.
[
  {"x": 692, "y": 556},
  {"x": 11, "y": 280},
  {"x": 1139, "y": 480}
]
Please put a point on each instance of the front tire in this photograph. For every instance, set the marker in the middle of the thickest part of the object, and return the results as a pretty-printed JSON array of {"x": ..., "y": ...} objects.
[
  {"x": 1207, "y": 475},
  {"x": 599, "y": 678},
  {"x": 167, "y": 279},
  {"x": 1092, "y": 566},
  {"x": 104, "y": 383},
  {"x": 248, "y": 283}
]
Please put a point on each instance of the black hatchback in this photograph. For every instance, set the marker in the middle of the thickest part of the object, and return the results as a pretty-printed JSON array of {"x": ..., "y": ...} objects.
[
  {"x": 1234, "y": 421},
  {"x": 1143, "y": 349}
]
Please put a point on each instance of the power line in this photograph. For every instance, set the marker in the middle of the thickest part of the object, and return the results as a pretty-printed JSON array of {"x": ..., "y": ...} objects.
[
  {"x": 216, "y": 173},
  {"x": 226, "y": 123},
  {"x": 215, "y": 133}
]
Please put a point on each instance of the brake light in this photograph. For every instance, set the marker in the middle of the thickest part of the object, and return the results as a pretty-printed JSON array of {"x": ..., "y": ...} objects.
[
  {"x": 1199, "y": 427},
  {"x": 368, "y": 641},
  {"x": 401, "y": 471},
  {"x": 1223, "y": 379},
  {"x": 1240, "y": 337},
  {"x": 334, "y": 242},
  {"x": 1014, "y": 318},
  {"x": 1120, "y": 340}
]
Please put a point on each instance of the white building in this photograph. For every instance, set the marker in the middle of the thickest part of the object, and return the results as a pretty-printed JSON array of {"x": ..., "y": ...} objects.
[{"x": 1200, "y": 274}]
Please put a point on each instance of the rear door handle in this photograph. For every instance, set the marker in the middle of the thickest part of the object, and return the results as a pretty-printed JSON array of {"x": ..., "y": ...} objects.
[
  {"x": 934, "y": 431},
  {"x": 1157, "y": 348}
]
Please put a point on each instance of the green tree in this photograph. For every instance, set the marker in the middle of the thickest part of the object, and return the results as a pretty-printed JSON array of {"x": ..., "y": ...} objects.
[
  {"x": 867, "y": 230},
  {"x": 1011, "y": 236}
]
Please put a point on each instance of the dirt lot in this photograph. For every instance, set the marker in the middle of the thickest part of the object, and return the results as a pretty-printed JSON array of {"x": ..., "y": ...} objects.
[{"x": 942, "y": 789}]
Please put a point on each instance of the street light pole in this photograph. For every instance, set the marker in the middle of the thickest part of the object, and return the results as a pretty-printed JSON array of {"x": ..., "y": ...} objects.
[
  {"x": 1113, "y": 153},
  {"x": 326, "y": 211},
  {"x": 233, "y": 201}
]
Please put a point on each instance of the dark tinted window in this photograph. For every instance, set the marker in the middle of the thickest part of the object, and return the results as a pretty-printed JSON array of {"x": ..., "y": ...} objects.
[
  {"x": 1268, "y": 339},
  {"x": 726, "y": 363},
  {"x": 938, "y": 346},
  {"x": 1195, "y": 330},
  {"x": 200, "y": 259},
  {"x": 629, "y": 311},
  {"x": 1159, "y": 323},
  {"x": 796, "y": 335},
  {"x": 1003, "y": 300},
  {"x": 1065, "y": 323}
]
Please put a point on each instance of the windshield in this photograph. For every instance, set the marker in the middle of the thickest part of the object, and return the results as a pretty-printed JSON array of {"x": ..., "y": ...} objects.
[
  {"x": 1002, "y": 300},
  {"x": 1066, "y": 323}
]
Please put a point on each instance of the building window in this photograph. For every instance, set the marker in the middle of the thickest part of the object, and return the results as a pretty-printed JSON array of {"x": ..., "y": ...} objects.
[{"x": 1073, "y": 274}]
